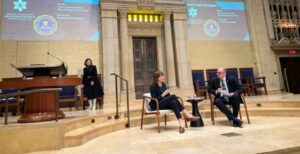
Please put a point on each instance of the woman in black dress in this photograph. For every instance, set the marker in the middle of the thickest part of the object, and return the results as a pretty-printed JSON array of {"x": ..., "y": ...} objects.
[
  {"x": 160, "y": 90},
  {"x": 92, "y": 87}
]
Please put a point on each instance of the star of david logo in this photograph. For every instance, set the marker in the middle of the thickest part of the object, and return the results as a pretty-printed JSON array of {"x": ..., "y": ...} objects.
[
  {"x": 193, "y": 12},
  {"x": 20, "y": 5}
]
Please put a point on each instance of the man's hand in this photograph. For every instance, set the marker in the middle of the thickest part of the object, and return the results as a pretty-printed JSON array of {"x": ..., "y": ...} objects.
[
  {"x": 166, "y": 92},
  {"x": 92, "y": 83},
  {"x": 231, "y": 94},
  {"x": 219, "y": 91}
]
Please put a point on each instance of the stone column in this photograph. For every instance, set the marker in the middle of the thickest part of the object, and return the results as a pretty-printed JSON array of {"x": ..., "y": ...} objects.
[
  {"x": 169, "y": 50},
  {"x": 269, "y": 19},
  {"x": 266, "y": 61},
  {"x": 110, "y": 42},
  {"x": 1, "y": 45},
  {"x": 298, "y": 5},
  {"x": 125, "y": 60},
  {"x": 182, "y": 58}
]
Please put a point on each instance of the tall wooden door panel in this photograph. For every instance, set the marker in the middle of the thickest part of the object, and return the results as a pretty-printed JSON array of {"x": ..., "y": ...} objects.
[{"x": 145, "y": 63}]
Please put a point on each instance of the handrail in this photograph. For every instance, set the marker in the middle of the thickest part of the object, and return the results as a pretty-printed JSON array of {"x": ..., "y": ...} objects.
[
  {"x": 285, "y": 77},
  {"x": 24, "y": 93},
  {"x": 117, "y": 100},
  {"x": 119, "y": 76}
]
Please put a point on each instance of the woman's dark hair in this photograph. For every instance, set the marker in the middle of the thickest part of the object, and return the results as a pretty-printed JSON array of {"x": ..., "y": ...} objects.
[
  {"x": 86, "y": 60},
  {"x": 156, "y": 75}
]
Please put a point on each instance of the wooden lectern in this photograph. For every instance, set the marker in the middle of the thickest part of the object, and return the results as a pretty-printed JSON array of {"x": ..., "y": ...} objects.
[{"x": 41, "y": 106}]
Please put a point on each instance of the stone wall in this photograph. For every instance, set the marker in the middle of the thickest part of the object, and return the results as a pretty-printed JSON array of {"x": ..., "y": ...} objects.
[
  {"x": 213, "y": 54},
  {"x": 202, "y": 54}
]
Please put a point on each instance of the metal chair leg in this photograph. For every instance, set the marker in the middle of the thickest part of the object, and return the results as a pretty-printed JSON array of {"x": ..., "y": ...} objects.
[
  {"x": 246, "y": 109},
  {"x": 142, "y": 119},
  {"x": 165, "y": 119},
  {"x": 158, "y": 122},
  {"x": 247, "y": 114},
  {"x": 212, "y": 114}
]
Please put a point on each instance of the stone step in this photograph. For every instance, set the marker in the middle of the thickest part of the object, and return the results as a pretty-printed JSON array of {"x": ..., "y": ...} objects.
[
  {"x": 86, "y": 133},
  {"x": 203, "y": 107},
  {"x": 81, "y": 135},
  {"x": 295, "y": 104}
]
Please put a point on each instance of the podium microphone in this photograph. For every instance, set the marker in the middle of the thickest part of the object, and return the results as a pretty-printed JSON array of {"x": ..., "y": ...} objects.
[
  {"x": 55, "y": 57},
  {"x": 13, "y": 66},
  {"x": 63, "y": 62}
]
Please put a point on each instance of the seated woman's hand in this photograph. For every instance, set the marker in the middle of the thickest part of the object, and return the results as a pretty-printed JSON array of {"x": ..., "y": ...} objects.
[
  {"x": 166, "y": 92},
  {"x": 92, "y": 83}
]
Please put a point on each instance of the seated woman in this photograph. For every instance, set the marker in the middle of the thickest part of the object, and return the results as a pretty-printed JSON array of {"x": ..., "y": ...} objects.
[{"x": 160, "y": 90}]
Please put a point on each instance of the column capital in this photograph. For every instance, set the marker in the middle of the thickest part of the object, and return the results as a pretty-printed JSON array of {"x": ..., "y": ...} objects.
[
  {"x": 167, "y": 15},
  {"x": 123, "y": 13},
  {"x": 179, "y": 16},
  {"x": 109, "y": 13}
]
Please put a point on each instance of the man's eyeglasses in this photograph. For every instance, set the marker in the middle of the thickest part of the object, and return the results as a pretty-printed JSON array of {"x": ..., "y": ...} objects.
[{"x": 219, "y": 72}]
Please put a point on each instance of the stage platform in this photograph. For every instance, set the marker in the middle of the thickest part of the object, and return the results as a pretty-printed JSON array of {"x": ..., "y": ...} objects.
[
  {"x": 80, "y": 127},
  {"x": 274, "y": 135}
]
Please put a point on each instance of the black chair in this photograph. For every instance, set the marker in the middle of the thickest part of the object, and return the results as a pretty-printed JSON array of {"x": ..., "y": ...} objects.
[
  {"x": 246, "y": 86},
  {"x": 247, "y": 74},
  {"x": 14, "y": 104},
  {"x": 200, "y": 85},
  {"x": 211, "y": 74},
  {"x": 68, "y": 97}
]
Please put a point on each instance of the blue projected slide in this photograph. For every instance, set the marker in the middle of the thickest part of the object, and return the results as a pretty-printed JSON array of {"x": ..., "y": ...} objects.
[
  {"x": 83, "y": 1},
  {"x": 50, "y": 20},
  {"x": 231, "y": 5},
  {"x": 217, "y": 20}
]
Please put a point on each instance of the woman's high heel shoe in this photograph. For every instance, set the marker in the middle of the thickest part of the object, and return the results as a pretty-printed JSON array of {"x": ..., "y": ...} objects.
[
  {"x": 181, "y": 130},
  {"x": 193, "y": 118}
]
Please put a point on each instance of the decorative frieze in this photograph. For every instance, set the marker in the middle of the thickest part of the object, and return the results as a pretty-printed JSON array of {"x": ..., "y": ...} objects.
[
  {"x": 285, "y": 21},
  {"x": 146, "y": 4}
]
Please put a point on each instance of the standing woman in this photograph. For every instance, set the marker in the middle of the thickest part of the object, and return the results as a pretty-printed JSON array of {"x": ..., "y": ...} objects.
[
  {"x": 160, "y": 90},
  {"x": 92, "y": 87}
]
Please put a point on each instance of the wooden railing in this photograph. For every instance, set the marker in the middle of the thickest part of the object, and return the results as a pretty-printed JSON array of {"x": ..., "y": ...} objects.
[{"x": 24, "y": 93}]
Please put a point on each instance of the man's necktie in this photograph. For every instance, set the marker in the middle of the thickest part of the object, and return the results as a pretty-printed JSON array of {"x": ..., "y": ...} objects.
[{"x": 225, "y": 89}]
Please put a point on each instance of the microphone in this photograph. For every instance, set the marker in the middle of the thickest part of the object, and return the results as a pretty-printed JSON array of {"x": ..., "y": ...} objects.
[
  {"x": 66, "y": 65},
  {"x": 55, "y": 57},
  {"x": 167, "y": 86},
  {"x": 13, "y": 66}
]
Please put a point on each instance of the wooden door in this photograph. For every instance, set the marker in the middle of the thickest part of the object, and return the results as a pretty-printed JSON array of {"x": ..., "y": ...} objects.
[
  {"x": 290, "y": 70},
  {"x": 145, "y": 64}
]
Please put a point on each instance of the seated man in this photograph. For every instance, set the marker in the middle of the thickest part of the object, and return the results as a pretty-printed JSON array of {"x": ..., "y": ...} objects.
[{"x": 227, "y": 90}]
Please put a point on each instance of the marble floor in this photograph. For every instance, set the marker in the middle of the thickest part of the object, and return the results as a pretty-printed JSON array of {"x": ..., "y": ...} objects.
[{"x": 263, "y": 135}]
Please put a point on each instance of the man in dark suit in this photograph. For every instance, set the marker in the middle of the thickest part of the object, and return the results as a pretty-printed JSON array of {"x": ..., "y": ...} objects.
[{"x": 227, "y": 90}]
